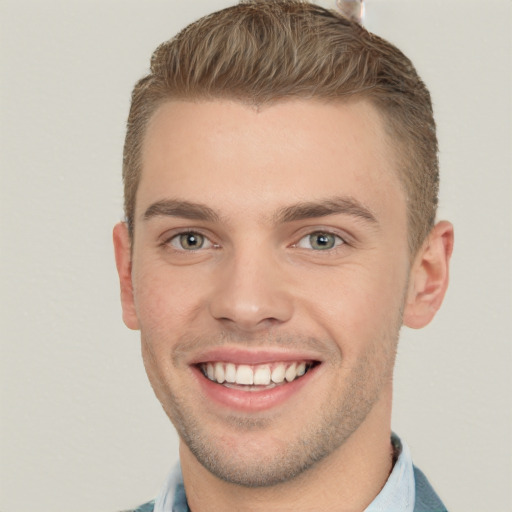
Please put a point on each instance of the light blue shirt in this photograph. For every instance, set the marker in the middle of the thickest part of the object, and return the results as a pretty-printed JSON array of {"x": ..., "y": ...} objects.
[{"x": 397, "y": 495}]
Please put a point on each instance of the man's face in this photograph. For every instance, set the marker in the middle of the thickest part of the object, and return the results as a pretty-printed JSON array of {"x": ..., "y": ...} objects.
[{"x": 269, "y": 243}]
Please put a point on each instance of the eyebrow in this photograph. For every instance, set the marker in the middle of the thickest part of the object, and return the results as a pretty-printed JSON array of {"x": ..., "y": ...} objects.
[
  {"x": 331, "y": 206},
  {"x": 182, "y": 209},
  {"x": 299, "y": 211}
]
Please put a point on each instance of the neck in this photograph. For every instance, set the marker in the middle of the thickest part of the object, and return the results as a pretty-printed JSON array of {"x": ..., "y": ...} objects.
[{"x": 346, "y": 481}]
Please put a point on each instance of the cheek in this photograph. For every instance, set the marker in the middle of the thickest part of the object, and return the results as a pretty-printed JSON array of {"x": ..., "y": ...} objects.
[
  {"x": 166, "y": 299},
  {"x": 357, "y": 307},
  {"x": 173, "y": 302}
]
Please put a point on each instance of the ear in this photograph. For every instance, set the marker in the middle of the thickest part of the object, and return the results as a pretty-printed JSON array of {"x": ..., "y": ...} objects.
[
  {"x": 428, "y": 279},
  {"x": 122, "y": 248}
]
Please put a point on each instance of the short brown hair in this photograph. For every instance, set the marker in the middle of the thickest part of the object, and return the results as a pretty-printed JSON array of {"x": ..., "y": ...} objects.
[{"x": 260, "y": 52}]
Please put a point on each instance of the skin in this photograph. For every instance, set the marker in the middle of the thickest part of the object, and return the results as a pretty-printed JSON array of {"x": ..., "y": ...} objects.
[{"x": 259, "y": 284}]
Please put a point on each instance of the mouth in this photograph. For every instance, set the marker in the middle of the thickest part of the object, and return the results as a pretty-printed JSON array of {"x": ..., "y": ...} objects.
[
  {"x": 255, "y": 377},
  {"x": 253, "y": 384}
]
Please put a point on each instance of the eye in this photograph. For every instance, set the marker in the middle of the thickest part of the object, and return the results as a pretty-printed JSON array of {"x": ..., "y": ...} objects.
[
  {"x": 320, "y": 241},
  {"x": 190, "y": 241}
]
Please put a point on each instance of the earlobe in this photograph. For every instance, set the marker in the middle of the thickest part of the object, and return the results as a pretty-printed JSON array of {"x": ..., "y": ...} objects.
[
  {"x": 122, "y": 248},
  {"x": 429, "y": 277}
]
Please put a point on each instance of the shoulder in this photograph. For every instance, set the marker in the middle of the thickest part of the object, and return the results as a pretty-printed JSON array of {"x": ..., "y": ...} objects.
[
  {"x": 146, "y": 507},
  {"x": 426, "y": 498}
]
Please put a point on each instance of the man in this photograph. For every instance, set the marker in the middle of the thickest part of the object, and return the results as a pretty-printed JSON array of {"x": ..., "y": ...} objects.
[{"x": 281, "y": 181}]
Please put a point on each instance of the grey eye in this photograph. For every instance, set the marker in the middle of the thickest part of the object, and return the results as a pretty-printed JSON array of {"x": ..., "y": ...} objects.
[
  {"x": 190, "y": 241},
  {"x": 320, "y": 241}
]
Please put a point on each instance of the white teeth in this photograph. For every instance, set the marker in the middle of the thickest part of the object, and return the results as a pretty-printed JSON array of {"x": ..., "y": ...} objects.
[
  {"x": 220, "y": 376},
  {"x": 244, "y": 375},
  {"x": 262, "y": 376},
  {"x": 278, "y": 373},
  {"x": 230, "y": 373},
  {"x": 291, "y": 372}
]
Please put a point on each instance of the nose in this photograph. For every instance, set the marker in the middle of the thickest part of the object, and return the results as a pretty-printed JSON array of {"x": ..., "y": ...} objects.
[{"x": 251, "y": 293}]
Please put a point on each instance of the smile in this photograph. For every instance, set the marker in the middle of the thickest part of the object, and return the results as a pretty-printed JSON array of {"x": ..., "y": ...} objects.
[
  {"x": 254, "y": 377},
  {"x": 252, "y": 381}
]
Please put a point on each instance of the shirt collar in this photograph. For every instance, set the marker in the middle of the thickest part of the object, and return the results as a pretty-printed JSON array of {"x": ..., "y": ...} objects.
[{"x": 397, "y": 495}]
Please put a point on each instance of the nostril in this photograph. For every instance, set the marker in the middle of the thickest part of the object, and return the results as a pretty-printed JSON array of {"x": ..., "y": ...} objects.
[
  {"x": 249, "y": 323},
  {"x": 249, "y": 300}
]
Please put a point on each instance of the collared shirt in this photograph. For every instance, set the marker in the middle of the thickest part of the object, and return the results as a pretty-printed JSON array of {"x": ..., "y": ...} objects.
[{"x": 397, "y": 495}]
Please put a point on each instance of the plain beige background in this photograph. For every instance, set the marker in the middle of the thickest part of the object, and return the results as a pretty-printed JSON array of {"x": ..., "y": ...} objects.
[{"x": 80, "y": 428}]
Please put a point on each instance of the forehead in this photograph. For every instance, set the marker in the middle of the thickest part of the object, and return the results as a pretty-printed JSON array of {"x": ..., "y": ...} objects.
[{"x": 230, "y": 155}]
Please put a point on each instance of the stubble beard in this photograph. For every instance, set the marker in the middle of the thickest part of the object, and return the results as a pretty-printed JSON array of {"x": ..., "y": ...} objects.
[{"x": 344, "y": 410}]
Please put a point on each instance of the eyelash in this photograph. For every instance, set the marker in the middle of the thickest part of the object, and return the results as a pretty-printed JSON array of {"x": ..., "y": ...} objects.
[
  {"x": 338, "y": 241},
  {"x": 178, "y": 236}
]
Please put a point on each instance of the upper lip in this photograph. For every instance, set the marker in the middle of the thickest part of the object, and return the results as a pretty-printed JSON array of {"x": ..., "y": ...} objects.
[{"x": 251, "y": 357}]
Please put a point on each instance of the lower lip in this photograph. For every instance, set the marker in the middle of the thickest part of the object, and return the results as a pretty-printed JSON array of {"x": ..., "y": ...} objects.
[{"x": 254, "y": 400}]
